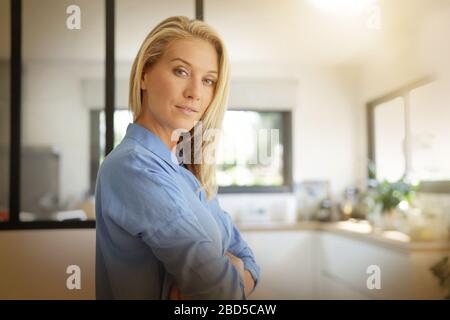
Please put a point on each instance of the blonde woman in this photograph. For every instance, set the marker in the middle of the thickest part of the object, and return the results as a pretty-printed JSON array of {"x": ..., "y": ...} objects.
[{"x": 161, "y": 233}]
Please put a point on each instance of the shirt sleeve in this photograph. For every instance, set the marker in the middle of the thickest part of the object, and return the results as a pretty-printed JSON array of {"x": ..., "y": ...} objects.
[
  {"x": 237, "y": 245},
  {"x": 148, "y": 204}
]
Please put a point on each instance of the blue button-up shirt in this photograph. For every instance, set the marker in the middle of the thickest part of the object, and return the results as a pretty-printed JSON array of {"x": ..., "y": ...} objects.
[{"x": 154, "y": 229}]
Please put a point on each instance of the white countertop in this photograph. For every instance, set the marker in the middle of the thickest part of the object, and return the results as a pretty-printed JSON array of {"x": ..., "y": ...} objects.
[{"x": 360, "y": 230}]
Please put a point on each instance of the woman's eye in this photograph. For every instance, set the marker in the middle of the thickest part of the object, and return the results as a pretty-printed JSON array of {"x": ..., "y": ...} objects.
[
  {"x": 210, "y": 82},
  {"x": 181, "y": 72}
]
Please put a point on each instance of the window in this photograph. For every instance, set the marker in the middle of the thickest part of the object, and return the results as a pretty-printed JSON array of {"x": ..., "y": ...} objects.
[
  {"x": 408, "y": 134},
  {"x": 57, "y": 62},
  {"x": 261, "y": 160},
  {"x": 4, "y": 108},
  {"x": 390, "y": 139},
  {"x": 430, "y": 132}
]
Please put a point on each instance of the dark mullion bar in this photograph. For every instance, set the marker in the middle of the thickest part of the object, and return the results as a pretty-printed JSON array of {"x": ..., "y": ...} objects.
[
  {"x": 199, "y": 9},
  {"x": 39, "y": 225},
  {"x": 287, "y": 157},
  {"x": 109, "y": 76},
  {"x": 16, "y": 91},
  {"x": 370, "y": 110}
]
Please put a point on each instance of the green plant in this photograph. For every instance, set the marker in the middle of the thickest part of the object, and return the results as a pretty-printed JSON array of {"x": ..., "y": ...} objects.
[
  {"x": 390, "y": 194},
  {"x": 441, "y": 270}
]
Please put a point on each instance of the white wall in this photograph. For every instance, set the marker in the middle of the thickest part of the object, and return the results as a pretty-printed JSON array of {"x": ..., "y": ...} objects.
[
  {"x": 324, "y": 108},
  {"x": 324, "y": 134}
]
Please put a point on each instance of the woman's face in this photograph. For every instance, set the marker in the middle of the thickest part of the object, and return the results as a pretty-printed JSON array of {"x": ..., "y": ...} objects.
[{"x": 179, "y": 87}]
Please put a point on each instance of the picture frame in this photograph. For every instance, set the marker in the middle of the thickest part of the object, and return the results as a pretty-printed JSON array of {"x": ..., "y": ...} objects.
[{"x": 309, "y": 195}]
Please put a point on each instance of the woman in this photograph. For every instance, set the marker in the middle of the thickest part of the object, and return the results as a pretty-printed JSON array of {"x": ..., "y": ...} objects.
[{"x": 161, "y": 233}]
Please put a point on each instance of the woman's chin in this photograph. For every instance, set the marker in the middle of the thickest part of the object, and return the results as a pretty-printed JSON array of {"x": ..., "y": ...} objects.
[{"x": 183, "y": 125}]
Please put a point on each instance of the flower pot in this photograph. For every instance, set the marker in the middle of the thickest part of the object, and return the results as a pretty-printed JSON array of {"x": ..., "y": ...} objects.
[{"x": 386, "y": 220}]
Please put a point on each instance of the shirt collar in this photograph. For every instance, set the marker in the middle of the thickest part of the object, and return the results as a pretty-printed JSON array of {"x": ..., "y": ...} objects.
[{"x": 153, "y": 143}]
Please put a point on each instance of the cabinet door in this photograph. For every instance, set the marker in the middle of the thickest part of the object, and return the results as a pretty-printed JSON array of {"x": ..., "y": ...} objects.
[
  {"x": 347, "y": 260},
  {"x": 285, "y": 258},
  {"x": 333, "y": 288}
]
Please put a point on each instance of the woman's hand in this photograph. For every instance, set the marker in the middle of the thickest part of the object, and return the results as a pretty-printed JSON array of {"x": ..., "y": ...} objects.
[{"x": 175, "y": 294}]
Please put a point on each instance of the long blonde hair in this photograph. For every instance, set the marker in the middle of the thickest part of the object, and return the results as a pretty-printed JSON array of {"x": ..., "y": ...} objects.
[{"x": 175, "y": 28}]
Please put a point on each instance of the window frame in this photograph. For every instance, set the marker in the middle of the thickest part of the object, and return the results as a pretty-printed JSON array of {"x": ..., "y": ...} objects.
[{"x": 426, "y": 186}]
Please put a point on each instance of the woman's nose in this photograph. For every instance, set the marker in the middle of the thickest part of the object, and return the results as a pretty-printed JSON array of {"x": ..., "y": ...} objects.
[{"x": 193, "y": 90}]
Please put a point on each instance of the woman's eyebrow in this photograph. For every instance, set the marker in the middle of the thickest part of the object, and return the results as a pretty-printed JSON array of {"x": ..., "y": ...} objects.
[{"x": 184, "y": 61}]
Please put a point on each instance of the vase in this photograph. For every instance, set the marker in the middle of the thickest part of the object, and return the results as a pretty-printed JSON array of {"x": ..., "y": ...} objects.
[
  {"x": 385, "y": 220},
  {"x": 391, "y": 219}
]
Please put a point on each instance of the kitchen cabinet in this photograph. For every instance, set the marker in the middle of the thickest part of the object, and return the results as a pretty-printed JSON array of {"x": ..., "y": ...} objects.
[
  {"x": 286, "y": 261},
  {"x": 318, "y": 263},
  {"x": 344, "y": 261}
]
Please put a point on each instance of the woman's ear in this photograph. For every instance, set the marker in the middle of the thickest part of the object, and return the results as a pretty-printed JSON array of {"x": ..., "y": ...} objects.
[{"x": 143, "y": 81}]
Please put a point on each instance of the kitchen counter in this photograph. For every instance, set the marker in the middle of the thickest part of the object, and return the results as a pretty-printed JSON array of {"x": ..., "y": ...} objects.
[{"x": 360, "y": 230}]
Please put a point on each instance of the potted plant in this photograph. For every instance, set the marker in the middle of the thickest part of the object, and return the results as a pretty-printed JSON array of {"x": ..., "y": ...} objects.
[{"x": 390, "y": 199}]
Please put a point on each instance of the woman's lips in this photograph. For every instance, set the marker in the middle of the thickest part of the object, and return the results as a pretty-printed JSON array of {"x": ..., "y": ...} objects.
[{"x": 186, "y": 110}]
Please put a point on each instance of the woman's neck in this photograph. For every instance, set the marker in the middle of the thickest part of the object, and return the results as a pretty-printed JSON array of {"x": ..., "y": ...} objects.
[{"x": 165, "y": 134}]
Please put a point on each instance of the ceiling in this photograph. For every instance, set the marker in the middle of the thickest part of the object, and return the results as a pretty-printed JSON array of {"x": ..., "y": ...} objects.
[{"x": 256, "y": 31}]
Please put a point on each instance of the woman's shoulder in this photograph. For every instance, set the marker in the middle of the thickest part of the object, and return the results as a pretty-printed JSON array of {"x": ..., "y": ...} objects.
[{"x": 134, "y": 161}]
